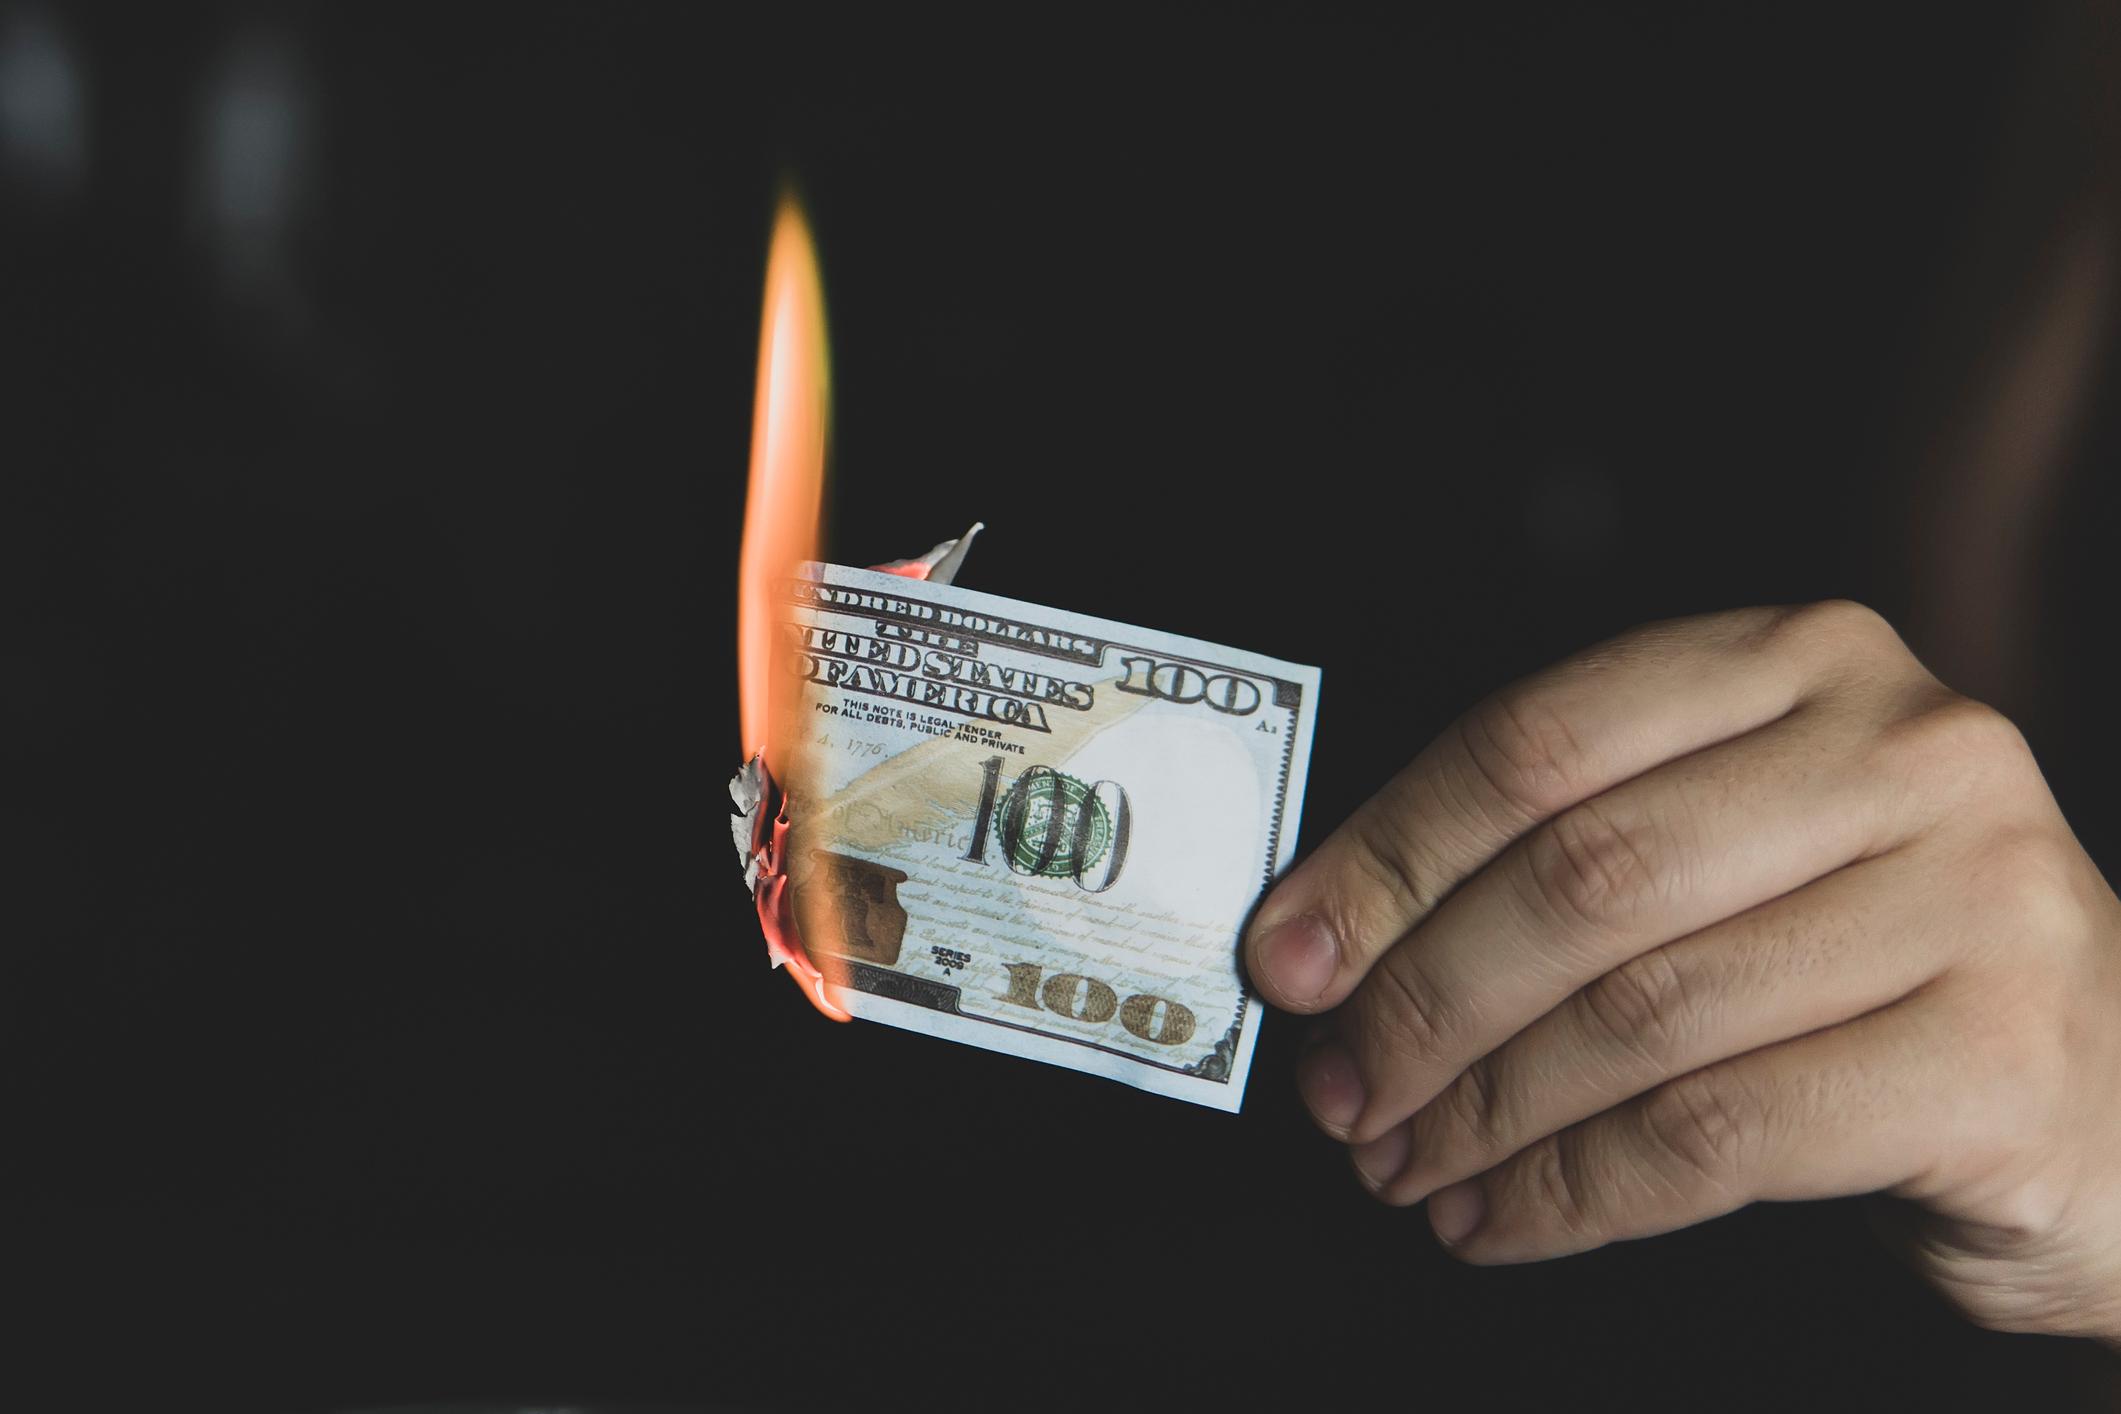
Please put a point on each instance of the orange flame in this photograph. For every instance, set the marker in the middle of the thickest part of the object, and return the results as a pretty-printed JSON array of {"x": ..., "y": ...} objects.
[
  {"x": 783, "y": 506},
  {"x": 787, "y": 492}
]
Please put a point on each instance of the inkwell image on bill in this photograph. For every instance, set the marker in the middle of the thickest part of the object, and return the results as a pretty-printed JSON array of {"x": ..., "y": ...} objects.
[{"x": 1016, "y": 827}]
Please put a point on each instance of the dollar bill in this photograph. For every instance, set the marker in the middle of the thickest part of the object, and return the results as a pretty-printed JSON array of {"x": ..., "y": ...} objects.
[{"x": 1034, "y": 831}]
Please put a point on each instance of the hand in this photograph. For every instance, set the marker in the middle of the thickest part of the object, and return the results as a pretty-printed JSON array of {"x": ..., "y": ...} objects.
[{"x": 1738, "y": 907}]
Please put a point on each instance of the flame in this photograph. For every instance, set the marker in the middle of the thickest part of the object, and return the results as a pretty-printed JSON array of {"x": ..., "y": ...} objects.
[
  {"x": 787, "y": 490},
  {"x": 783, "y": 505}
]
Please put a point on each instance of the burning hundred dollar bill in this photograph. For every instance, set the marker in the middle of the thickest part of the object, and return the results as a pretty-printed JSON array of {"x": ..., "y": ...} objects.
[
  {"x": 1010, "y": 826},
  {"x": 1023, "y": 829}
]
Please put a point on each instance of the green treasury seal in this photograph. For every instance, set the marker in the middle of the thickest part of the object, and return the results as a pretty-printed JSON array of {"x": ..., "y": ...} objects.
[{"x": 1052, "y": 824}]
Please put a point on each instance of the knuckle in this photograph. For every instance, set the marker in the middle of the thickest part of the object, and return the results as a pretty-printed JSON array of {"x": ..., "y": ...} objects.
[
  {"x": 1960, "y": 745},
  {"x": 1837, "y": 628},
  {"x": 1552, "y": 1175},
  {"x": 1471, "y": 1120},
  {"x": 1401, "y": 1017},
  {"x": 2020, "y": 1060},
  {"x": 1701, "y": 1129},
  {"x": 2027, "y": 887},
  {"x": 1964, "y": 732},
  {"x": 2038, "y": 1066},
  {"x": 2023, "y": 870},
  {"x": 1524, "y": 751},
  {"x": 1388, "y": 858},
  {"x": 1642, "y": 1012},
  {"x": 2033, "y": 1060},
  {"x": 1590, "y": 866}
]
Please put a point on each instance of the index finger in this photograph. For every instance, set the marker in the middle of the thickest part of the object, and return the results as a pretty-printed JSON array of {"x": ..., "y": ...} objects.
[{"x": 1529, "y": 752}]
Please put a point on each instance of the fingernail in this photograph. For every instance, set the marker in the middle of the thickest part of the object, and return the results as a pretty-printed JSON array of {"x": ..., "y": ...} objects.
[
  {"x": 1455, "y": 1211},
  {"x": 1330, "y": 1087},
  {"x": 1298, "y": 957},
  {"x": 1378, "y": 1162}
]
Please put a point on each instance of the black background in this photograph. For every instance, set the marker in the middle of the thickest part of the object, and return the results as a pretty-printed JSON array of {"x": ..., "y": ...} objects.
[{"x": 388, "y": 1022}]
